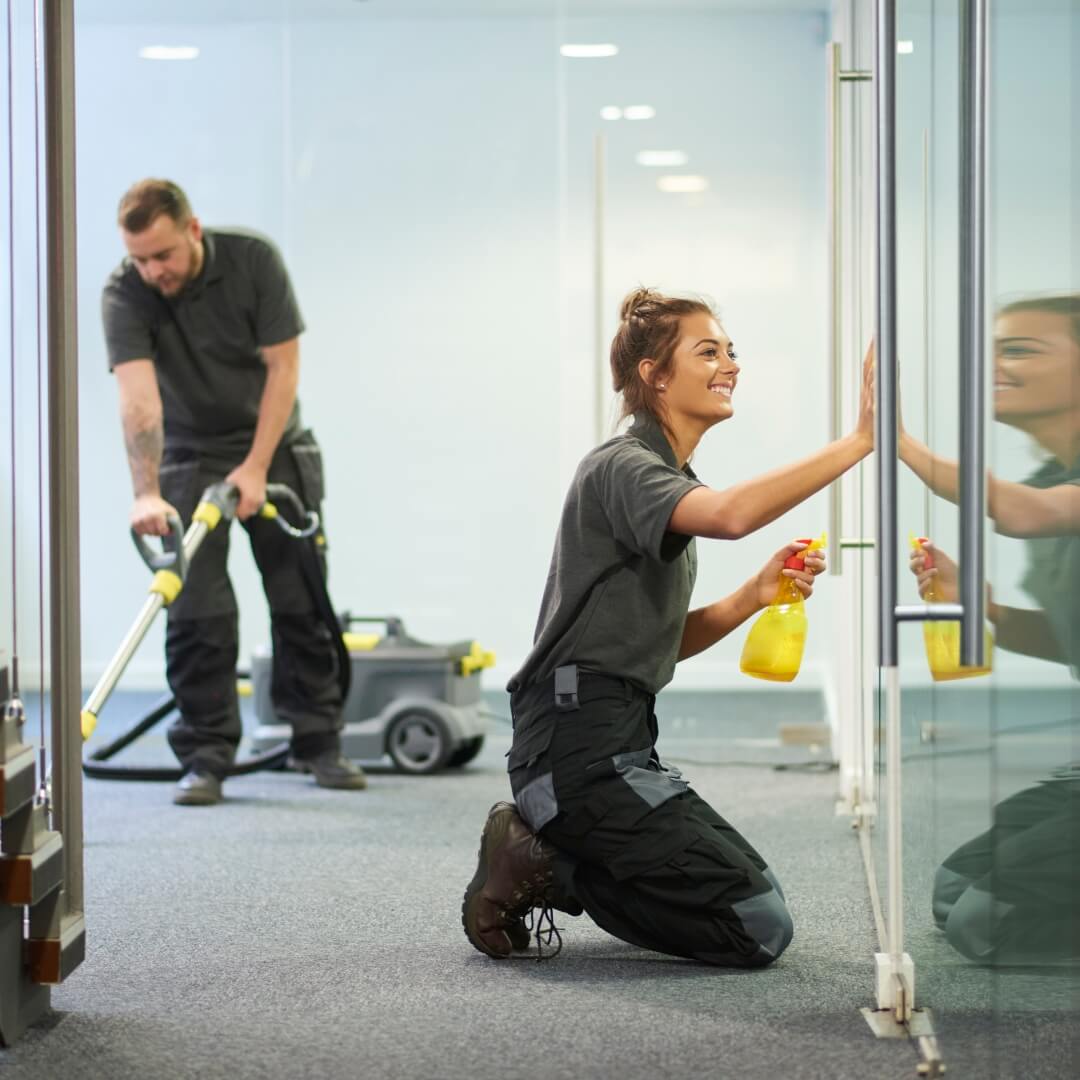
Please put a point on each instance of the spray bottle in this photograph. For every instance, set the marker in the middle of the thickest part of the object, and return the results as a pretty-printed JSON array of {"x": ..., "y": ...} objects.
[
  {"x": 774, "y": 646},
  {"x": 942, "y": 639}
]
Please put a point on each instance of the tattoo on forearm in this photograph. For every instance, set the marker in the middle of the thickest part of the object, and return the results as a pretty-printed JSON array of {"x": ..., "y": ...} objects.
[{"x": 144, "y": 448}]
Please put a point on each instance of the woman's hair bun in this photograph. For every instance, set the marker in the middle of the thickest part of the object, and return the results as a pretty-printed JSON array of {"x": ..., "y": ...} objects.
[{"x": 635, "y": 300}]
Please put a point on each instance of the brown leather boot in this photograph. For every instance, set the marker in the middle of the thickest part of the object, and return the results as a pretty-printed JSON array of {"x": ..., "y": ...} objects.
[{"x": 513, "y": 874}]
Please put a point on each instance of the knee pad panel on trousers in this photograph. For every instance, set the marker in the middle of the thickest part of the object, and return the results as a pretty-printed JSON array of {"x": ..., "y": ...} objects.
[
  {"x": 766, "y": 919},
  {"x": 977, "y": 924},
  {"x": 949, "y": 886}
]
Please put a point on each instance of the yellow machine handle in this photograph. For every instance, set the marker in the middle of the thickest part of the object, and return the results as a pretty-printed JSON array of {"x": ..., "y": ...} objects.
[
  {"x": 477, "y": 660},
  {"x": 167, "y": 585},
  {"x": 360, "y": 642},
  {"x": 87, "y": 723}
]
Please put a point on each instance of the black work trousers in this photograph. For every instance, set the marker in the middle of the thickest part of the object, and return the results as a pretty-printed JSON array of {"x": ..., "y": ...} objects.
[
  {"x": 202, "y": 639},
  {"x": 645, "y": 856}
]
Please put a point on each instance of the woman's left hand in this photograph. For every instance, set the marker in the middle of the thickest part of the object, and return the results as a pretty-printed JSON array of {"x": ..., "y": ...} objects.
[{"x": 765, "y": 582}]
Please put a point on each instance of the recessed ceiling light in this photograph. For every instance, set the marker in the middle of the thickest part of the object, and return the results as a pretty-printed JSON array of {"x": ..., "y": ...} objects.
[
  {"x": 670, "y": 158},
  {"x": 588, "y": 52},
  {"x": 905, "y": 46},
  {"x": 168, "y": 52},
  {"x": 682, "y": 184},
  {"x": 639, "y": 112},
  {"x": 611, "y": 112}
]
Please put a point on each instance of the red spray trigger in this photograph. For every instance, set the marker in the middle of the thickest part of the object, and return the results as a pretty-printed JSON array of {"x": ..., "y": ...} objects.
[
  {"x": 798, "y": 560},
  {"x": 928, "y": 556}
]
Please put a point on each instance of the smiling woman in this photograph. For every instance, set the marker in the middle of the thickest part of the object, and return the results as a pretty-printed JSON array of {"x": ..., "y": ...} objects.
[
  {"x": 601, "y": 824},
  {"x": 1037, "y": 367},
  {"x": 653, "y": 331},
  {"x": 1037, "y": 391}
]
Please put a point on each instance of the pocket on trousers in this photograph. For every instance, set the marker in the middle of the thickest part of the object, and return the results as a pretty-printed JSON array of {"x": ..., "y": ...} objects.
[
  {"x": 307, "y": 456},
  {"x": 530, "y": 744},
  {"x": 531, "y": 779}
]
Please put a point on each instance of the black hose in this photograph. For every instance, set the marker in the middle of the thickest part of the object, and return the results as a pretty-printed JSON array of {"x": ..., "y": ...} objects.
[
  {"x": 94, "y": 766},
  {"x": 273, "y": 758},
  {"x": 158, "y": 713},
  {"x": 311, "y": 567}
]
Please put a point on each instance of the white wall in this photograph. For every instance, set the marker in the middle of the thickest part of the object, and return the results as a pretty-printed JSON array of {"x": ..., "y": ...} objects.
[{"x": 429, "y": 182}]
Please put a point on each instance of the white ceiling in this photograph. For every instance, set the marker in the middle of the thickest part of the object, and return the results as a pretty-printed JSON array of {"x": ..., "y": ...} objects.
[{"x": 221, "y": 11}]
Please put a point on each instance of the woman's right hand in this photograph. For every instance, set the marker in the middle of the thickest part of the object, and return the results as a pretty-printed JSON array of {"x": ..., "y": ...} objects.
[
  {"x": 943, "y": 574},
  {"x": 864, "y": 426}
]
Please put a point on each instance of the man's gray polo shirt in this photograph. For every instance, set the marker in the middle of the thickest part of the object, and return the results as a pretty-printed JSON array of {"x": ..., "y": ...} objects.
[
  {"x": 205, "y": 343},
  {"x": 619, "y": 585}
]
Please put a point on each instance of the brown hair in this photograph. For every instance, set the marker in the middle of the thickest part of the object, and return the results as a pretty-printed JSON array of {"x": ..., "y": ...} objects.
[
  {"x": 648, "y": 327},
  {"x": 1066, "y": 304},
  {"x": 147, "y": 200}
]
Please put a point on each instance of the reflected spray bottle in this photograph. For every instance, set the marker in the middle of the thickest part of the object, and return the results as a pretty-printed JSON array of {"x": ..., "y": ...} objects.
[{"x": 942, "y": 639}]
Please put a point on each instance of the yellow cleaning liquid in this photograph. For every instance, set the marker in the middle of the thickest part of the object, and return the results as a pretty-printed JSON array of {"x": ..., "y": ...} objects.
[
  {"x": 942, "y": 639},
  {"x": 774, "y": 646}
]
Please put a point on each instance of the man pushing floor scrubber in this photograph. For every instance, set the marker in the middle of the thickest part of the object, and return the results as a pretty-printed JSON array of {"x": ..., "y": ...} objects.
[{"x": 202, "y": 332}]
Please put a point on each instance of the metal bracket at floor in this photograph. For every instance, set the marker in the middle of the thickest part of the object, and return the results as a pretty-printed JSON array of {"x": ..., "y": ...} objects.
[{"x": 919, "y": 1027}]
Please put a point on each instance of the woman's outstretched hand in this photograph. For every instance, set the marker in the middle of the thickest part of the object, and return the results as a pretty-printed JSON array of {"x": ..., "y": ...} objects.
[
  {"x": 765, "y": 582},
  {"x": 864, "y": 427}
]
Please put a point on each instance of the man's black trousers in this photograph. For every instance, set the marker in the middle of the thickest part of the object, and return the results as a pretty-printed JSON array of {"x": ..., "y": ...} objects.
[{"x": 202, "y": 639}]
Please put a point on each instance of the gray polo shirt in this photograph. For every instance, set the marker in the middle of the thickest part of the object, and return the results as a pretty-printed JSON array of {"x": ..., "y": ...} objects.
[
  {"x": 205, "y": 343},
  {"x": 619, "y": 585}
]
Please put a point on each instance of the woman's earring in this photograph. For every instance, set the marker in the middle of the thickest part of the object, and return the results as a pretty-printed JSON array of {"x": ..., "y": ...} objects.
[{"x": 661, "y": 385}]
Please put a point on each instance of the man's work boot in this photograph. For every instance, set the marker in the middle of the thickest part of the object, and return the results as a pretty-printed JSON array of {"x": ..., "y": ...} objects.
[
  {"x": 197, "y": 789},
  {"x": 513, "y": 874},
  {"x": 332, "y": 769}
]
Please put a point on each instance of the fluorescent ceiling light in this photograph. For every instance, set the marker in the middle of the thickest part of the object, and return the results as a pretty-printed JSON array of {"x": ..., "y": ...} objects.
[
  {"x": 639, "y": 112},
  {"x": 671, "y": 158},
  {"x": 682, "y": 184},
  {"x": 611, "y": 112},
  {"x": 168, "y": 52},
  {"x": 905, "y": 46},
  {"x": 588, "y": 52}
]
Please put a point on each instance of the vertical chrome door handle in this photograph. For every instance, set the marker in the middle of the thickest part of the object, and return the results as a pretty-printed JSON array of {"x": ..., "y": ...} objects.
[{"x": 836, "y": 77}]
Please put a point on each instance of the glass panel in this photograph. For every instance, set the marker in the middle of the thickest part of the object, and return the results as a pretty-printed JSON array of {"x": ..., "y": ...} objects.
[
  {"x": 946, "y": 719},
  {"x": 1018, "y": 913},
  {"x": 991, "y": 804}
]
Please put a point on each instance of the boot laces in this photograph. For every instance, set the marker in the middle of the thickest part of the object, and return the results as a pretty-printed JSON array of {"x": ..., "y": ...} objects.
[{"x": 540, "y": 922}]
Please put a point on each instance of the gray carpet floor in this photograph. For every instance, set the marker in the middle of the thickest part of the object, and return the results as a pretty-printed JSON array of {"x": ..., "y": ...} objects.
[{"x": 297, "y": 932}]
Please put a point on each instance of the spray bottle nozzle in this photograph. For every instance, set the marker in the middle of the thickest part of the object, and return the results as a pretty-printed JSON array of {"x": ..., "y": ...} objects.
[
  {"x": 798, "y": 560},
  {"x": 918, "y": 544}
]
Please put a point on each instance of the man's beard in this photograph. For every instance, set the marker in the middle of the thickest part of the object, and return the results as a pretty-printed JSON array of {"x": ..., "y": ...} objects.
[{"x": 179, "y": 284}]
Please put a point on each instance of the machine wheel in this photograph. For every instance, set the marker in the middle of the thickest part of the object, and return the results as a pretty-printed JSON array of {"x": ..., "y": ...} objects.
[
  {"x": 466, "y": 752},
  {"x": 418, "y": 742}
]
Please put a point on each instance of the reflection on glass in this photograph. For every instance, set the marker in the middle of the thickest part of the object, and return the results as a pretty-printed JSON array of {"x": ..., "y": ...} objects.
[{"x": 1008, "y": 896}]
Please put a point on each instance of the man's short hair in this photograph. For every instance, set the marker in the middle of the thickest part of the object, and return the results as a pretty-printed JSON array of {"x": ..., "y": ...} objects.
[{"x": 147, "y": 200}]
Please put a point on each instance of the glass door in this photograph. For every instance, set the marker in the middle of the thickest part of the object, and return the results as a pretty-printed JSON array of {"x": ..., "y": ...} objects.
[{"x": 976, "y": 846}]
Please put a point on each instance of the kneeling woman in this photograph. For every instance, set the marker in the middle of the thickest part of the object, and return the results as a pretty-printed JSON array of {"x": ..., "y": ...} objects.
[{"x": 600, "y": 823}]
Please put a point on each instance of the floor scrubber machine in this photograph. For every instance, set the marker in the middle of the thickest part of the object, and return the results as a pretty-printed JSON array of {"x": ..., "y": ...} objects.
[{"x": 416, "y": 702}]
